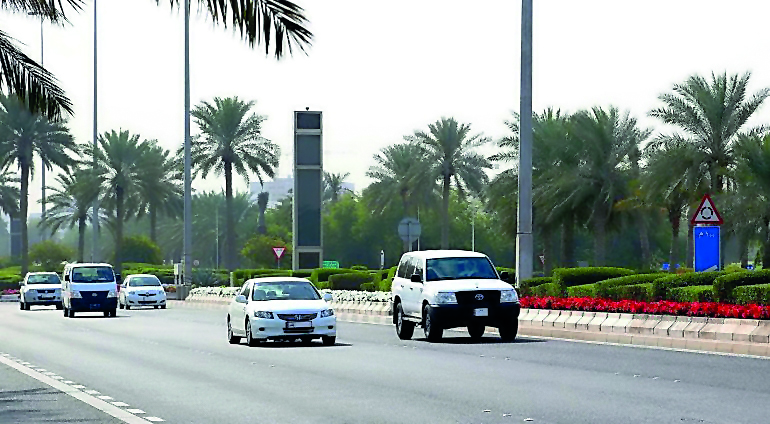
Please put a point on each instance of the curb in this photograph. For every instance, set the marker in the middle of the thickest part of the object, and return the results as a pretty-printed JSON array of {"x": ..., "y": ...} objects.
[{"x": 9, "y": 298}]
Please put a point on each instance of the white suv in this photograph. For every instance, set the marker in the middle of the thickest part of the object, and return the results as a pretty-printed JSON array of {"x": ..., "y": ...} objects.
[{"x": 443, "y": 289}]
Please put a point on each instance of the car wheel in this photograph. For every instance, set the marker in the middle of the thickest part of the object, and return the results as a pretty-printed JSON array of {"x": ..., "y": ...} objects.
[
  {"x": 120, "y": 305},
  {"x": 508, "y": 331},
  {"x": 21, "y": 305},
  {"x": 106, "y": 314},
  {"x": 72, "y": 314},
  {"x": 59, "y": 307},
  {"x": 250, "y": 340},
  {"x": 162, "y": 306},
  {"x": 476, "y": 331},
  {"x": 156, "y": 306},
  {"x": 66, "y": 312},
  {"x": 432, "y": 329},
  {"x": 329, "y": 340},
  {"x": 404, "y": 328},
  {"x": 127, "y": 306},
  {"x": 232, "y": 339},
  {"x": 113, "y": 313}
]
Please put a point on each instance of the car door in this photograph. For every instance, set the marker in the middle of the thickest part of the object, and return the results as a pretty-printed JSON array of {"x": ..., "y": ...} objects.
[
  {"x": 124, "y": 291},
  {"x": 399, "y": 285},
  {"x": 238, "y": 311},
  {"x": 412, "y": 290}
]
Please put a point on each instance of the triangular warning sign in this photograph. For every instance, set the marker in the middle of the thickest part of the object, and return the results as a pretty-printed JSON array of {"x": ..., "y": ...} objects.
[
  {"x": 707, "y": 213},
  {"x": 278, "y": 251}
]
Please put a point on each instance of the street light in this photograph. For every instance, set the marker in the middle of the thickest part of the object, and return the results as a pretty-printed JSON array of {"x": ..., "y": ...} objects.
[
  {"x": 95, "y": 209},
  {"x": 187, "y": 244},
  {"x": 524, "y": 243},
  {"x": 42, "y": 167}
]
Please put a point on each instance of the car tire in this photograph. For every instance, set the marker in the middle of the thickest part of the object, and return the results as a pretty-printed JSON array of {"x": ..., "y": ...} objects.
[
  {"x": 404, "y": 328},
  {"x": 162, "y": 306},
  {"x": 72, "y": 314},
  {"x": 430, "y": 326},
  {"x": 329, "y": 340},
  {"x": 106, "y": 314},
  {"x": 59, "y": 307},
  {"x": 232, "y": 339},
  {"x": 127, "y": 306},
  {"x": 21, "y": 305},
  {"x": 120, "y": 305},
  {"x": 476, "y": 331},
  {"x": 305, "y": 341},
  {"x": 156, "y": 306},
  {"x": 250, "y": 340},
  {"x": 113, "y": 313},
  {"x": 508, "y": 331},
  {"x": 66, "y": 312}
]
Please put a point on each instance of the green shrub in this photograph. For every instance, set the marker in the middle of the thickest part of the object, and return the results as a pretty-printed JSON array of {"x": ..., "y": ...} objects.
[
  {"x": 140, "y": 249},
  {"x": 302, "y": 273},
  {"x": 370, "y": 287},
  {"x": 758, "y": 294},
  {"x": 526, "y": 286},
  {"x": 392, "y": 272},
  {"x": 9, "y": 285},
  {"x": 359, "y": 268},
  {"x": 385, "y": 285},
  {"x": 662, "y": 286},
  {"x": 323, "y": 274},
  {"x": 585, "y": 290},
  {"x": 692, "y": 293},
  {"x": 511, "y": 274},
  {"x": 726, "y": 284},
  {"x": 350, "y": 280},
  {"x": 641, "y": 292},
  {"x": 50, "y": 255},
  {"x": 164, "y": 274},
  {"x": 547, "y": 289},
  {"x": 603, "y": 287},
  {"x": 241, "y": 275},
  {"x": 568, "y": 277}
]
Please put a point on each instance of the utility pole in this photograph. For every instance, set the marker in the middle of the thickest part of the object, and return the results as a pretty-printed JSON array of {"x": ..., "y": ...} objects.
[
  {"x": 524, "y": 244},
  {"x": 187, "y": 160},
  {"x": 95, "y": 209}
]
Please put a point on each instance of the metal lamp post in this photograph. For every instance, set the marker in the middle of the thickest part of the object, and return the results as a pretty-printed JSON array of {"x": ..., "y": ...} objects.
[
  {"x": 524, "y": 244},
  {"x": 42, "y": 167},
  {"x": 186, "y": 253},
  {"x": 95, "y": 209}
]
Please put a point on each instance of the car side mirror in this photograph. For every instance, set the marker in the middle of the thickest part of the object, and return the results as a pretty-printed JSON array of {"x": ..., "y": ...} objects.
[
  {"x": 328, "y": 297},
  {"x": 241, "y": 299},
  {"x": 504, "y": 275},
  {"x": 416, "y": 278},
  {"x": 21, "y": 283}
]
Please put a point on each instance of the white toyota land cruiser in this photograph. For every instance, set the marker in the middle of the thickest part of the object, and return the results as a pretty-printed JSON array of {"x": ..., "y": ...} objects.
[{"x": 443, "y": 289}]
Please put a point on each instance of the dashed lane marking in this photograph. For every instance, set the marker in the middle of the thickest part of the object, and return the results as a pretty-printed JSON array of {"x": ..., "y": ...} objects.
[
  {"x": 136, "y": 411},
  {"x": 97, "y": 403},
  {"x": 120, "y": 404}
]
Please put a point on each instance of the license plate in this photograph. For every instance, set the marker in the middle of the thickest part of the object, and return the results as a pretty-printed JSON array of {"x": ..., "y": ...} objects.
[
  {"x": 95, "y": 306},
  {"x": 300, "y": 324},
  {"x": 45, "y": 297},
  {"x": 481, "y": 312}
]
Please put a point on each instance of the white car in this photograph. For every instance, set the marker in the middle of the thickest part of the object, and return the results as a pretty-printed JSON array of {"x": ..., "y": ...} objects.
[
  {"x": 281, "y": 308},
  {"x": 40, "y": 288},
  {"x": 141, "y": 290},
  {"x": 442, "y": 289}
]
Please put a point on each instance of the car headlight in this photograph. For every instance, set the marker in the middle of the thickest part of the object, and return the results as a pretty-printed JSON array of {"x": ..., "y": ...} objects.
[
  {"x": 327, "y": 313},
  {"x": 446, "y": 297},
  {"x": 508, "y": 296},
  {"x": 263, "y": 314},
  {"x": 112, "y": 293},
  {"x": 74, "y": 294}
]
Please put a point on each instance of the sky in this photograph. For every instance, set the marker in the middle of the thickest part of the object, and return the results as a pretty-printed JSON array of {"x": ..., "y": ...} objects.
[{"x": 381, "y": 70}]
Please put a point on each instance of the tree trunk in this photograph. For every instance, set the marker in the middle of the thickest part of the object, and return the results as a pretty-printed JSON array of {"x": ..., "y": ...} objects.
[
  {"x": 690, "y": 251},
  {"x": 23, "y": 205},
  {"x": 154, "y": 223},
  {"x": 229, "y": 219},
  {"x": 744, "y": 243},
  {"x": 81, "y": 237},
  {"x": 644, "y": 241},
  {"x": 445, "y": 212},
  {"x": 119, "y": 229},
  {"x": 261, "y": 227},
  {"x": 568, "y": 242},
  {"x": 547, "y": 261}
]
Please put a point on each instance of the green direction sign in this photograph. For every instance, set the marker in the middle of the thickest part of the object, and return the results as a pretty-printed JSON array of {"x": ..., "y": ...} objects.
[{"x": 331, "y": 264}]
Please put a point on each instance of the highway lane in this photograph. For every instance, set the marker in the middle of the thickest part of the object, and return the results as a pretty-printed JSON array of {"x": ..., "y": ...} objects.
[{"x": 176, "y": 365}]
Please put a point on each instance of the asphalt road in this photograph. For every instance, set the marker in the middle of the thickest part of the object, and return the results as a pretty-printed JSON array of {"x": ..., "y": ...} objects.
[{"x": 176, "y": 365}]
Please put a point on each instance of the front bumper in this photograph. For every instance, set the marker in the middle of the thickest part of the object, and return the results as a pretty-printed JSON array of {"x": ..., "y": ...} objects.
[
  {"x": 276, "y": 329},
  {"x": 93, "y": 305},
  {"x": 453, "y": 315},
  {"x": 155, "y": 300},
  {"x": 36, "y": 298}
]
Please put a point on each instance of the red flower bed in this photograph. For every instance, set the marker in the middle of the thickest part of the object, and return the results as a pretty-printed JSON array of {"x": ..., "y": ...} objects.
[{"x": 695, "y": 309}]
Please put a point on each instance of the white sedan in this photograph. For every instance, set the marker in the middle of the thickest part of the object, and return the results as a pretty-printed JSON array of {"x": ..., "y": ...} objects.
[
  {"x": 141, "y": 290},
  {"x": 281, "y": 308}
]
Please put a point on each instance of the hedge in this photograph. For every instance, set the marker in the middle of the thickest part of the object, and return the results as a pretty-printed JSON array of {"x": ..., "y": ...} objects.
[
  {"x": 526, "y": 286},
  {"x": 302, "y": 273},
  {"x": 641, "y": 292},
  {"x": 662, "y": 286},
  {"x": 756, "y": 294},
  {"x": 568, "y": 277},
  {"x": 692, "y": 293},
  {"x": 320, "y": 275},
  {"x": 583, "y": 290},
  {"x": 359, "y": 268},
  {"x": 511, "y": 274},
  {"x": 351, "y": 281},
  {"x": 547, "y": 289},
  {"x": 603, "y": 287},
  {"x": 725, "y": 284}
]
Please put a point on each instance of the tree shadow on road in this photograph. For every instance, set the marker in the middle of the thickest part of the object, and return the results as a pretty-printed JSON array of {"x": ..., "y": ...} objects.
[{"x": 465, "y": 340}]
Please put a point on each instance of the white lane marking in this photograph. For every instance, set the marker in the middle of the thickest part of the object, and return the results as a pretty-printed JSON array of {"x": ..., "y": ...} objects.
[
  {"x": 105, "y": 397},
  {"x": 99, "y": 404},
  {"x": 136, "y": 411},
  {"x": 56, "y": 377},
  {"x": 78, "y": 386},
  {"x": 154, "y": 419},
  {"x": 120, "y": 404},
  {"x": 68, "y": 382},
  {"x": 92, "y": 392}
]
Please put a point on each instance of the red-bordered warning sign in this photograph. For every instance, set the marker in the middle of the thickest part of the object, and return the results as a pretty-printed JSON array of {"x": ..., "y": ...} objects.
[
  {"x": 278, "y": 252},
  {"x": 707, "y": 213}
]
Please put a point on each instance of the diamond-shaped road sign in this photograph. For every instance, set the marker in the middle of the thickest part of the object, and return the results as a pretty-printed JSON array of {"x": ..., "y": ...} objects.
[
  {"x": 707, "y": 213},
  {"x": 278, "y": 252}
]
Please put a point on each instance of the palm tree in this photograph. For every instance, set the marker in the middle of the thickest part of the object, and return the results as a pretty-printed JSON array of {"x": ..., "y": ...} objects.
[
  {"x": 711, "y": 114},
  {"x": 71, "y": 202},
  {"x": 231, "y": 141},
  {"x": 9, "y": 192},
  {"x": 333, "y": 185},
  {"x": 449, "y": 150},
  {"x": 262, "y": 199},
  {"x": 752, "y": 216},
  {"x": 397, "y": 182},
  {"x": 607, "y": 140},
  {"x": 24, "y": 135},
  {"x": 161, "y": 188},
  {"x": 123, "y": 166}
]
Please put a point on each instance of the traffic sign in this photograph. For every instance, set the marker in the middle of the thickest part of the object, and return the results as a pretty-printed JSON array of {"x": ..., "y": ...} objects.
[
  {"x": 331, "y": 264},
  {"x": 278, "y": 252},
  {"x": 409, "y": 230},
  {"x": 707, "y": 213},
  {"x": 706, "y": 241}
]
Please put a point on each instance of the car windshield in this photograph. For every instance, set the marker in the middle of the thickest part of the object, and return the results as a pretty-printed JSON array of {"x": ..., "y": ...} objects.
[
  {"x": 92, "y": 274},
  {"x": 289, "y": 290},
  {"x": 43, "y": 279},
  {"x": 458, "y": 268},
  {"x": 145, "y": 282}
]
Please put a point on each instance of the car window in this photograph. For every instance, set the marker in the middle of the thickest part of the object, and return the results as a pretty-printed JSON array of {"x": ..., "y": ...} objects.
[
  {"x": 92, "y": 274},
  {"x": 245, "y": 290},
  {"x": 150, "y": 281},
  {"x": 417, "y": 267},
  {"x": 43, "y": 279},
  {"x": 402, "y": 267},
  {"x": 459, "y": 268},
  {"x": 410, "y": 268},
  {"x": 288, "y": 290}
]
